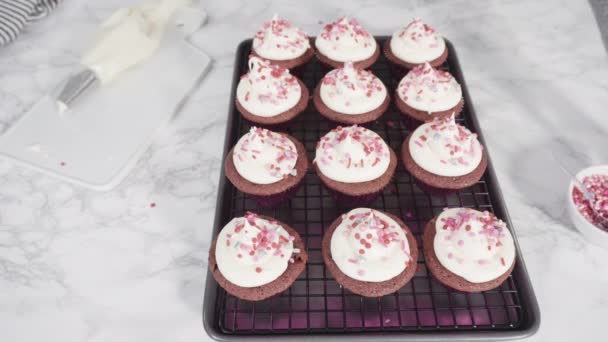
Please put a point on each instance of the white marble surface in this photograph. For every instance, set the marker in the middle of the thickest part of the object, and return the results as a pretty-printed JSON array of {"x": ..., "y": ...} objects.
[{"x": 77, "y": 265}]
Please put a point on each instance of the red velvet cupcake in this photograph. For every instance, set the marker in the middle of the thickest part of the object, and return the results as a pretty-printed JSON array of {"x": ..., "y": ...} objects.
[
  {"x": 267, "y": 166},
  {"x": 468, "y": 250},
  {"x": 444, "y": 156},
  {"x": 256, "y": 257},
  {"x": 413, "y": 45},
  {"x": 269, "y": 95},
  {"x": 350, "y": 96},
  {"x": 346, "y": 41},
  {"x": 369, "y": 252},
  {"x": 355, "y": 164},
  {"x": 283, "y": 44},
  {"x": 426, "y": 93}
]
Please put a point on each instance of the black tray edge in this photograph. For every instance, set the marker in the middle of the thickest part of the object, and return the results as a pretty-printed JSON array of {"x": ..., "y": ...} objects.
[{"x": 532, "y": 321}]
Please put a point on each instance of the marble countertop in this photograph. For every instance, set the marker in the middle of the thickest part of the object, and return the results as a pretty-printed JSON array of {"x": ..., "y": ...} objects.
[{"x": 127, "y": 265}]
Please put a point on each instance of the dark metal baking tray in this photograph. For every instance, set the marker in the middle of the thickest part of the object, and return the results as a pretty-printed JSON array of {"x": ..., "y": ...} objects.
[{"x": 316, "y": 306}]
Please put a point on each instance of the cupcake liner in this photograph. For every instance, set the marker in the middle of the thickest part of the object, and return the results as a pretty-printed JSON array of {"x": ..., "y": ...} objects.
[
  {"x": 354, "y": 201},
  {"x": 274, "y": 200},
  {"x": 432, "y": 190}
]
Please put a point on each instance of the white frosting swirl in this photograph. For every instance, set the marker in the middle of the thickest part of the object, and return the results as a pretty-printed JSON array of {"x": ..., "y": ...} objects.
[
  {"x": 279, "y": 40},
  {"x": 264, "y": 157},
  {"x": 352, "y": 154},
  {"x": 350, "y": 91},
  {"x": 430, "y": 90},
  {"x": 267, "y": 90},
  {"x": 445, "y": 148},
  {"x": 345, "y": 40},
  {"x": 251, "y": 251},
  {"x": 370, "y": 246},
  {"x": 472, "y": 244},
  {"x": 417, "y": 43}
]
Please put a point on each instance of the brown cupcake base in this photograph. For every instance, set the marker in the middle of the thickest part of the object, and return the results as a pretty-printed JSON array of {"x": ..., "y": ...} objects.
[
  {"x": 364, "y": 64},
  {"x": 400, "y": 67},
  {"x": 356, "y": 194},
  {"x": 366, "y": 288},
  {"x": 280, "y": 119},
  {"x": 269, "y": 194},
  {"x": 348, "y": 119},
  {"x": 282, "y": 283},
  {"x": 435, "y": 184},
  {"x": 414, "y": 117},
  {"x": 444, "y": 275}
]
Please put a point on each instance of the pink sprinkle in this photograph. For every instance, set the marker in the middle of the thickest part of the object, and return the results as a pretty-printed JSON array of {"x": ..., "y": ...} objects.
[
  {"x": 258, "y": 270},
  {"x": 360, "y": 272},
  {"x": 152, "y": 205},
  {"x": 450, "y": 255},
  {"x": 460, "y": 242}
]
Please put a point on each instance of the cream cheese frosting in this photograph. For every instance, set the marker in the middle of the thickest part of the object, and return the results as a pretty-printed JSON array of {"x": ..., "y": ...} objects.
[
  {"x": 370, "y": 246},
  {"x": 472, "y": 244},
  {"x": 252, "y": 251},
  {"x": 267, "y": 90},
  {"x": 430, "y": 90},
  {"x": 417, "y": 43},
  {"x": 445, "y": 148},
  {"x": 264, "y": 157},
  {"x": 279, "y": 40},
  {"x": 352, "y": 154},
  {"x": 345, "y": 40},
  {"x": 350, "y": 91}
]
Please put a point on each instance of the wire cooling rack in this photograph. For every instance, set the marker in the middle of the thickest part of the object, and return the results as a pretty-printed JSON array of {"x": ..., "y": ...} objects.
[{"x": 315, "y": 304}]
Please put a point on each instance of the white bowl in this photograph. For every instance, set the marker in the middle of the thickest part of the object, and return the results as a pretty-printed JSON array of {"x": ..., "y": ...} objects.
[{"x": 592, "y": 233}]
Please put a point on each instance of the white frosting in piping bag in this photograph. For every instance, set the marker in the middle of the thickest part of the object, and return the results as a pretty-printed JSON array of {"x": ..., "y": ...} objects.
[
  {"x": 351, "y": 91},
  {"x": 267, "y": 90},
  {"x": 370, "y": 246},
  {"x": 251, "y": 251},
  {"x": 474, "y": 245},
  {"x": 264, "y": 157},
  {"x": 279, "y": 40},
  {"x": 345, "y": 40},
  {"x": 430, "y": 90},
  {"x": 417, "y": 43},
  {"x": 445, "y": 148},
  {"x": 352, "y": 154}
]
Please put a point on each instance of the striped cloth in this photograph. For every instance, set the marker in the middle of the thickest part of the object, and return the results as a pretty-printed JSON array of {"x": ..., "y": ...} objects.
[{"x": 16, "y": 14}]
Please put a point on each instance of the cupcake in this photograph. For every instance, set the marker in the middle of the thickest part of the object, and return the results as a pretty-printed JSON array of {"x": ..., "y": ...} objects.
[
  {"x": 426, "y": 93},
  {"x": 351, "y": 96},
  {"x": 346, "y": 41},
  {"x": 413, "y": 45},
  {"x": 269, "y": 95},
  {"x": 468, "y": 250},
  {"x": 267, "y": 166},
  {"x": 283, "y": 44},
  {"x": 354, "y": 163},
  {"x": 256, "y": 257},
  {"x": 369, "y": 252},
  {"x": 444, "y": 156}
]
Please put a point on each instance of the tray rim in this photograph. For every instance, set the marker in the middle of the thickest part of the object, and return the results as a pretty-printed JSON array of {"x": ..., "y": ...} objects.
[{"x": 528, "y": 297}]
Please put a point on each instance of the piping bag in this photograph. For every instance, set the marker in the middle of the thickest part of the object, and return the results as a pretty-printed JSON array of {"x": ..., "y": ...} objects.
[{"x": 128, "y": 37}]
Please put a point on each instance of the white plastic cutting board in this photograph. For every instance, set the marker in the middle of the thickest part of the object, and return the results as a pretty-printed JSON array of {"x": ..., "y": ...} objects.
[{"x": 101, "y": 137}]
